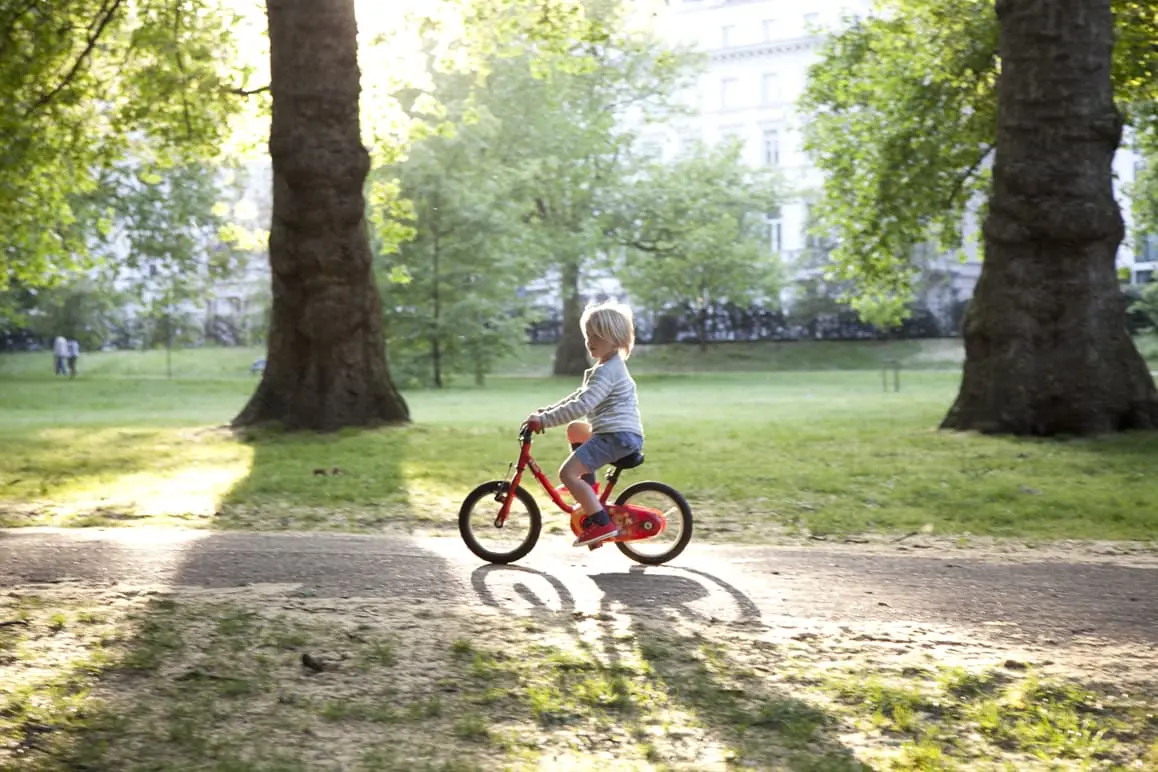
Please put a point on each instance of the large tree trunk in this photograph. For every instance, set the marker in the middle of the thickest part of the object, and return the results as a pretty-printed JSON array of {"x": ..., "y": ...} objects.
[
  {"x": 571, "y": 353},
  {"x": 1046, "y": 346},
  {"x": 326, "y": 366}
]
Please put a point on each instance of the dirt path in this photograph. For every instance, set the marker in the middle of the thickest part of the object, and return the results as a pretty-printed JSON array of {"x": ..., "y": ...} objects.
[{"x": 1045, "y": 597}]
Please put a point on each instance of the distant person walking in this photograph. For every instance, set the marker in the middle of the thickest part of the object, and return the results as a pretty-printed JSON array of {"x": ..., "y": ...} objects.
[
  {"x": 59, "y": 355},
  {"x": 73, "y": 355}
]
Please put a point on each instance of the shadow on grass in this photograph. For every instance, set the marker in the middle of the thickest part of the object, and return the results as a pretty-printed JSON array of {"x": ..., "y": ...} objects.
[
  {"x": 351, "y": 480},
  {"x": 659, "y": 665}
]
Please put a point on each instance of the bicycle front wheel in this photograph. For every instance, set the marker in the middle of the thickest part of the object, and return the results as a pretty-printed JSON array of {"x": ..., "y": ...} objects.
[
  {"x": 515, "y": 538},
  {"x": 667, "y": 501}
]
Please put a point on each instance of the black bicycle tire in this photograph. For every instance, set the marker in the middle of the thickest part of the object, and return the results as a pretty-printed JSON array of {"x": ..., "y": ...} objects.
[
  {"x": 685, "y": 515},
  {"x": 489, "y": 489}
]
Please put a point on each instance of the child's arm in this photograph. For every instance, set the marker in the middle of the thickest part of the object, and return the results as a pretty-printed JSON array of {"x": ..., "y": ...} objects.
[
  {"x": 567, "y": 398},
  {"x": 579, "y": 404}
]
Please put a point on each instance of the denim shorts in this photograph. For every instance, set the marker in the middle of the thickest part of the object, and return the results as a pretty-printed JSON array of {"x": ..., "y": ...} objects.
[{"x": 603, "y": 449}]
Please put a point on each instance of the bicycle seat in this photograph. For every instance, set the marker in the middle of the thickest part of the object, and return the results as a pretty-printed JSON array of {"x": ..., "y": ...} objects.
[{"x": 629, "y": 461}]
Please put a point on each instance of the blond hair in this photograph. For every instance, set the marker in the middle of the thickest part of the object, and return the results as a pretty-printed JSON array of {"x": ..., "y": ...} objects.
[{"x": 611, "y": 322}]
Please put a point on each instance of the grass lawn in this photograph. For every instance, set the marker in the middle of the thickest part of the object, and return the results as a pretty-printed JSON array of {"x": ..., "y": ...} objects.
[{"x": 763, "y": 440}]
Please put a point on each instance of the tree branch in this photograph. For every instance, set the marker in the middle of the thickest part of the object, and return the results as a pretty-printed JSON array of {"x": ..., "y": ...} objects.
[
  {"x": 653, "y": 248},
  {"x": 100, "y": 24},
  {"x": 969, "y": 173},
  {"x": 181, "y": 68},
  {"x": 248, "y": 92}
]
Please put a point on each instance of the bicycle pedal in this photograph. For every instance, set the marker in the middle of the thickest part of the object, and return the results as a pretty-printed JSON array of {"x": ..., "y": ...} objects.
[{"x": 595, "y": 546}]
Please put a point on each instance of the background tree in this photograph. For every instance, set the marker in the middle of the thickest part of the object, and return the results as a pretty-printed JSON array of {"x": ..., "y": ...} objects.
[
  {"x": 87, "y": 84},
  {"x": 1147, "y": 304},
  {"x": 89, "y": 311},
  {"x": 326, "y": 366},
  {"x": 166, "y": 238},
  {"x": 454, "y": 304},
  {"x": 570, "y": 123},
  {"x": 901, "y": 116},
  {"x": 1144, "y": 193},
  {"x": 696, "y": 234},
  {"x": 1136, "y": 84},
  {"x": 1046, "y": 346},
  {"x": 164, "y": 242}
]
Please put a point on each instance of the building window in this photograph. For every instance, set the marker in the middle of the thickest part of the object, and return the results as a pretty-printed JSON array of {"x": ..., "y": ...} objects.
[
  {"x": 770, "y": 88},
  {"x": 1148, "y": 249},
  {"x": 1143, "y": 277},
  {"x": 769, "y": 26},
  {"x": 728, "y": 87},
  {"x": 727, "y": 33},
  {"x": 771, "y": 147},
  {"x": 775, "y": 231},
  {"x": 810, "y": 21}
]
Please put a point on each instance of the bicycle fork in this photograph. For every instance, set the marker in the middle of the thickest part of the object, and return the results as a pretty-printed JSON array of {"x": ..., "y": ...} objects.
[{"x": 503, "y": 494}]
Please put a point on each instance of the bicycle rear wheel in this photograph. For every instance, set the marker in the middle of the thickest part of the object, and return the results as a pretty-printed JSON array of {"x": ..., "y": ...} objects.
[
  {"x": 516, "y": 537},
  {"x": 674, "y": 509}
]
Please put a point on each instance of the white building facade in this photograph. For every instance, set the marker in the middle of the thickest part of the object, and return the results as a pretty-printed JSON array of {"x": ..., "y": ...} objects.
[{"x": 759, "y": 52}]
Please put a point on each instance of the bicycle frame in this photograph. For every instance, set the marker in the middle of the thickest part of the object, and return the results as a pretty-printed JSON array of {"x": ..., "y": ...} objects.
[{"x": 526, "y": 460}]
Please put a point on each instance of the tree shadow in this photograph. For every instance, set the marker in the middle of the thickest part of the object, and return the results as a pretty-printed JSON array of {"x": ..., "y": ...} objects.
[
  {"x": 353, "y": 480},
  {"x": 224, "y": 651},
  {"x": 749, "y": 712}
]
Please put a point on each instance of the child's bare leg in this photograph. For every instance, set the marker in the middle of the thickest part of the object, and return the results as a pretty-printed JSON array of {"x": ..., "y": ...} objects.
[
  {"x": 579, "y": 432},
  {"x": 596, "y": 524},
  {"x": 572, "y": 473}
]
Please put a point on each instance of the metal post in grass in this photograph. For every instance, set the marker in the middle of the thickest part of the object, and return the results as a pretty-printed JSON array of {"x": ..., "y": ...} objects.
[{"x": 895, "y": 366}]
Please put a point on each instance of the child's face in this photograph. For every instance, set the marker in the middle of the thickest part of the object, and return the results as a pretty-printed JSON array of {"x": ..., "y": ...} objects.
[{"x": 598, "y": 348}]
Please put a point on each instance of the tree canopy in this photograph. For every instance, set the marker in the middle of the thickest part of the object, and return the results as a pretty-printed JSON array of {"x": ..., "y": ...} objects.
[
  {"x": 696, "y": 232},
  {"x": 900, "y": 115},
  {"x": 88, "y": 84},
  {"x": 545, "y": 127}
]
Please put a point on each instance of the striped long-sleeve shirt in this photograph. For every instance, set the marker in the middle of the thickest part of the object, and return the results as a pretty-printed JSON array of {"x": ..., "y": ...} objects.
[{"x": 607, "y": 397}]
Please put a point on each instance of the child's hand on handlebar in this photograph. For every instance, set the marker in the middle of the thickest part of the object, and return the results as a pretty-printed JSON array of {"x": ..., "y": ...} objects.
[{"x": 534, "y": 422}]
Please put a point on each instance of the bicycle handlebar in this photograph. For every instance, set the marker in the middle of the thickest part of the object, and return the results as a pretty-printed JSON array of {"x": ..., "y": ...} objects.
[{"x": 525, "y": 434}]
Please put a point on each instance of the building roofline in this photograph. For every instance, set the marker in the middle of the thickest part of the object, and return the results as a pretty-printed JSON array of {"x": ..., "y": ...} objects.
[{"x": 769, "y": 48}]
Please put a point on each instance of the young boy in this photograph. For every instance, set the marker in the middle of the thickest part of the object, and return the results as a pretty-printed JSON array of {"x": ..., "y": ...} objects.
[{"x": 608, "y": 398}]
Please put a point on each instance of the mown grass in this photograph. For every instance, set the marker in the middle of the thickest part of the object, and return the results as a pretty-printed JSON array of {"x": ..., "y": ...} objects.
[
  {"x": 759, "y": 453},
  {"x": 949, "y": 717}
]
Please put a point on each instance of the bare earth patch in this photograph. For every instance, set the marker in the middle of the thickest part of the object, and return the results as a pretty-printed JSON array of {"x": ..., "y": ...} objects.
[{"x": 263, "y": 677}]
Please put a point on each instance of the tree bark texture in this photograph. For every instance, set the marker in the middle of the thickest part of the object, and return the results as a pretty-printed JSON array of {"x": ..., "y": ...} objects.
[
  {"x": 326, "y": 365},
  {"x": 571, "y": 352},
  {"x": 1047, "y": 351}
]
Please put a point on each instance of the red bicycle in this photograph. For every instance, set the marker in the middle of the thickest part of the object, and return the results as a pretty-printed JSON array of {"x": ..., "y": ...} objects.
[{"x": 654, "y": 520}]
